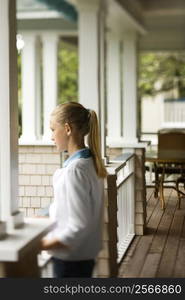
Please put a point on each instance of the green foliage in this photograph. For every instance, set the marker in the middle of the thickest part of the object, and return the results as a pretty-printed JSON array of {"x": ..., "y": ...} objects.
[
  {"x": 168, "y": 69},
  {"x": 67, "y": 73}
]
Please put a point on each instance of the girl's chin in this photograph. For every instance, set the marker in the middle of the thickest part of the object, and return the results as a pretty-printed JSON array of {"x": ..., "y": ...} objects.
[{"x": 60, "y": 149}]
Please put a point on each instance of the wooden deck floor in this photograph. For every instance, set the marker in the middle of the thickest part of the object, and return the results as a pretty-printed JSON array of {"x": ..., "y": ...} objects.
[{"x": 161, "y": 251}]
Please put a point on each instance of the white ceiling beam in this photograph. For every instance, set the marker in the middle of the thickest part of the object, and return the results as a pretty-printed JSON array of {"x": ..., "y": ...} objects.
[
  {"x": 120, "y": 16},
  {"x": 124, "y": 20},
  {"x": 39, "y": 15},
  {"x": 165, "y": 12}
]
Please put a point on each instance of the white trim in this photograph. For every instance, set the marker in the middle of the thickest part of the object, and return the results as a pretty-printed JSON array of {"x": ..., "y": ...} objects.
[
  {"x": 40, "y": 15},
  {"x": 62, "y": 33},
  {"x": 173, "y": 125},
  {"x": 122, "y": 143},
  {"x": 135, "y": 145},
  {"x": 35, "y": 143}
]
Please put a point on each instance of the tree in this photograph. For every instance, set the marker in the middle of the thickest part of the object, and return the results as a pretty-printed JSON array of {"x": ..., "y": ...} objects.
[
  {"x": 67, "y": 72},
  {"x": 167, "y": 69}
]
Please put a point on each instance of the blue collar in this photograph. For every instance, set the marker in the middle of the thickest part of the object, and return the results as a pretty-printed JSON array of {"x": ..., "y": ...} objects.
[{"x": 83, "y": 153}]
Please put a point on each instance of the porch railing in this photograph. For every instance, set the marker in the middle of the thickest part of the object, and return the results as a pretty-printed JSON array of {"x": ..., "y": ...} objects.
[
  {"x": 121, "y": 209},
  {"x": 174, "y": 112},
  {"x": 125, "y": 202}
]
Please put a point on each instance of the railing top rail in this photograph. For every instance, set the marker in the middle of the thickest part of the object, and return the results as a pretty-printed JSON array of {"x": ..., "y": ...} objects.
[
  {"x": 119, "y": 163},
  {"x": 124, "y": 157},
  {"x": 114, "y": 167}
]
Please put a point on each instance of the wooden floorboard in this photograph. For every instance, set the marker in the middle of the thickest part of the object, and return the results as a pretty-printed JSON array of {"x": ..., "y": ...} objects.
[
  {"x": 149, "y": 194},
  {"x": 169, "y": 256},
  {"x": 179, "y": 270},
  {"x": 161, "y": 251},
  {"x": 154, "y": 254}
]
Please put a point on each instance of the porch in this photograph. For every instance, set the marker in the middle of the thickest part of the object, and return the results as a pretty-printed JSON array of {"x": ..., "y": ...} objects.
[
  {"x": 160, "y": 252},
  {"x": 111, "y": 30}
]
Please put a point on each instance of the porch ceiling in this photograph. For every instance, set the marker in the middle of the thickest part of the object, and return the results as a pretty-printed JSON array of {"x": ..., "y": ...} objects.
[{"x": 164, "y": 21}]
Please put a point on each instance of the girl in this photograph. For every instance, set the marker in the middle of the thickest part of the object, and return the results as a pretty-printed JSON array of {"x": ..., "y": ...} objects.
[{"x": 78, "y": 192}]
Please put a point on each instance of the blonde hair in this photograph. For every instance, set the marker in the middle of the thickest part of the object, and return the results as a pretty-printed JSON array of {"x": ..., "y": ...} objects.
[{"x": 86, "y": 122}]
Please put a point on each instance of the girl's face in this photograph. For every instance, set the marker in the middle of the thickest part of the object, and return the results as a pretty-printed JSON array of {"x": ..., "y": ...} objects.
[{"x": 60, "y": 135}]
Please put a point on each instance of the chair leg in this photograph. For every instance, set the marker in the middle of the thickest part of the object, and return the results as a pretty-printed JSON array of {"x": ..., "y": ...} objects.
[
  {"x": 161, "y": 194},
  {"x": 179, "y": 195},
  {"x": 179, "y": 202},
  {"x": 156, "y": 191}
]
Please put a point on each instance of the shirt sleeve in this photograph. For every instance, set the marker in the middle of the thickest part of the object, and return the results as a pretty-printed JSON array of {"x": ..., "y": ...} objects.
[{"x": 79, "y": 208}]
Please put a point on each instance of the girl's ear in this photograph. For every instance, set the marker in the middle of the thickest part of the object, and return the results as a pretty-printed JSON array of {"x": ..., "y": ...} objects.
[{"x": 68, "y": 129}]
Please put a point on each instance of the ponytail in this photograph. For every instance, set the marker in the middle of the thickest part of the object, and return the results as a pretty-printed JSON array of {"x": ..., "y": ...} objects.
[{"x": 94, "y": 144}]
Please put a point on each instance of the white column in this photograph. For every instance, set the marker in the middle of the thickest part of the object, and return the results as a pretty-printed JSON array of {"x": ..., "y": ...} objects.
[
  {"x": 92, "y": 60},
  {"x": 5, "y": 172},
  {"x": 4, "y": 97},
  {"x": 114, "y": 123},
  {"x": 29, "y": 88},
  {"x": 130, "y": 88},
  {"x": 8, "y": 115},
  {"x": 50, "y": 47},
  {"x": 89, "y": 53}
]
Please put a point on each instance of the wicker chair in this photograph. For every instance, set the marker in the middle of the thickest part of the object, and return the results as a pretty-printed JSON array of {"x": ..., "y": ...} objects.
[{"x": 171, "y": 146}]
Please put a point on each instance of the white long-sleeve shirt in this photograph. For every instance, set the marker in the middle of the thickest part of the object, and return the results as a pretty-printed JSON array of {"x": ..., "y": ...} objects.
[{"x": 77, "y": 208}]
